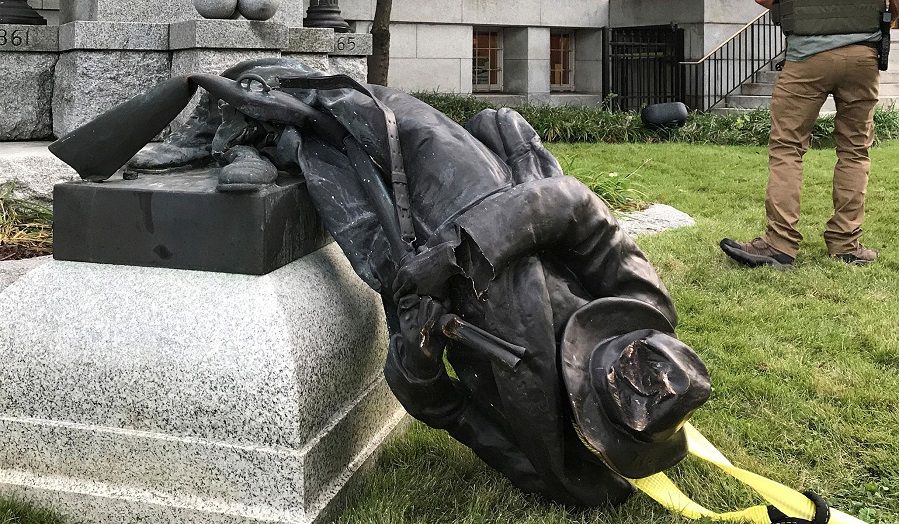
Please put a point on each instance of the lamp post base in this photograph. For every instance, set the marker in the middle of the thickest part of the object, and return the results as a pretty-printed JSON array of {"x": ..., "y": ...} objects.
[{"x": 326, "y": 13}]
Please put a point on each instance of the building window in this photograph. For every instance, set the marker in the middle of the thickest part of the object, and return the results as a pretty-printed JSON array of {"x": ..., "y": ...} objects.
[
  {"x": 487, "y": 65},
  {"x": 561, "y": 61}
]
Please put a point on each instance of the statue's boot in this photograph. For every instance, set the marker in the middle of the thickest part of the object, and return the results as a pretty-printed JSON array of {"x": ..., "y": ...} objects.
[
  {"x": 246, "y": 170},
  {"x": 186, "y": 147}
]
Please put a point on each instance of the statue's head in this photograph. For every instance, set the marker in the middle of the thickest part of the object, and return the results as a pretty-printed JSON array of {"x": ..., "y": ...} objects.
[{"x": 632, "y": 385}]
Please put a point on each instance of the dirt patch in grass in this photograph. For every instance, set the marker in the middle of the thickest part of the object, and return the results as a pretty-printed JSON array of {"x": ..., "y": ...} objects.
[{"x": 18, "y": 252}]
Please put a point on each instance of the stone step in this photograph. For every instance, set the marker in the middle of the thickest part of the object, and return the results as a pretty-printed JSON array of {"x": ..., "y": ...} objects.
[
  {"x": 757, "y": 89},
  {"x": 33, "y": 168},
  {"x": 759, "y": 102}
]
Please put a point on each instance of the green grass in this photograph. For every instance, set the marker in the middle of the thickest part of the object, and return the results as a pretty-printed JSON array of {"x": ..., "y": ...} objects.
[
  {"x": 26, "y": 227},
  {"x": 14, "y": 511},
  {"x": 805, "y": 363}
]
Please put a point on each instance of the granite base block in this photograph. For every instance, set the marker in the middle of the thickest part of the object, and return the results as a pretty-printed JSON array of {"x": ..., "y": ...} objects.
[
  {"x": 89, "y": 83},
  {"x": 227, "y": 34},
  {"x": 355, "y": 67},
  {"x": 151, "y": 11},
  {"x": 26, "y": 95},
  {"x": 155, "y": 395}
]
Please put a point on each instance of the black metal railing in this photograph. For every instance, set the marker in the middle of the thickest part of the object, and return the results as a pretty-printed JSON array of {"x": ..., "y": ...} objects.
[
  {"x": 644, "y": 66},
  {"x": 712, "y": 79}
]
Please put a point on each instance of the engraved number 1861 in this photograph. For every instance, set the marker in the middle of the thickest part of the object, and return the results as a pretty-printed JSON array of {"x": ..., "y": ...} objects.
[{"x": 17, "y": 38}]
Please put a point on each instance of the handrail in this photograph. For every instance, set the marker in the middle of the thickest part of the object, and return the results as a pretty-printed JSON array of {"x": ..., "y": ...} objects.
[
  {"x": 722, "y": 44},
  {"x": 722, "y": 71}
]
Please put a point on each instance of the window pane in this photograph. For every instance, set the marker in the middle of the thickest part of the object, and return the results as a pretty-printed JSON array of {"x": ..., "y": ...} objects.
[
  {"x": 487, "y": 61},
  {"x": 561, "y": 58}
]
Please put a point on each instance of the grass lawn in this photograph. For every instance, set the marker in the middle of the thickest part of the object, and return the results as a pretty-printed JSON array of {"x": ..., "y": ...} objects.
[{"x": 805, "y": 363}]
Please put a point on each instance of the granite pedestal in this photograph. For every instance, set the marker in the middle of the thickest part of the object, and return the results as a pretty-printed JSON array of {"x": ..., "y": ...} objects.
[
  {"x": 212, "y": 46},
  {"x": 27, "y": 62},
  {"x": 165, "y": 11},
  {"x": 103, "y": 64},
  {"x": 180, "y": 221},
  {"x": 136, "y": 394}
]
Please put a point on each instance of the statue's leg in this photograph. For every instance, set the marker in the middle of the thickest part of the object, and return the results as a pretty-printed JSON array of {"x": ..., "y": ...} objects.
[
  {"x": 187, "y": 146},
  {"x": 246, "y": 170}
]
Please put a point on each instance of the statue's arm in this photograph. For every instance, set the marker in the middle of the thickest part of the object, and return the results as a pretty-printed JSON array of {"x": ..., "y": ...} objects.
[
  {"x": 443, "y": 403},
  {"x": 561, "y": 216}
]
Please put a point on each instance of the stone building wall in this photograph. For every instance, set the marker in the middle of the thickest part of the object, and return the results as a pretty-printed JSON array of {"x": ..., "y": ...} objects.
[{"x": 432, "y": 39}]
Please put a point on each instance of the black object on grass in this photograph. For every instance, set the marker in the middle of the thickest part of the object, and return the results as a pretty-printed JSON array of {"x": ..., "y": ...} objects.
[{"x": 665, "y": 116}]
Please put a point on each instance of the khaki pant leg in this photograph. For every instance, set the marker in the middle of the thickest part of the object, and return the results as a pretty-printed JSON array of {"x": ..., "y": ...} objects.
[
  {"x": 801, "y": 90},
  {"x": 856, "y": 97}
]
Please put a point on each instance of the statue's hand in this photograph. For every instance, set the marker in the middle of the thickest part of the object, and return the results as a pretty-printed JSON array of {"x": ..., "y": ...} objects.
[
  {"x": 427, "y": 272},
  {"x": 422, "y": 339}
]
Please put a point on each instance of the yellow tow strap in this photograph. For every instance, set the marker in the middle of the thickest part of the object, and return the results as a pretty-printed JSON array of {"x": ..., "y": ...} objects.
[{"x": 790, "y": 502}]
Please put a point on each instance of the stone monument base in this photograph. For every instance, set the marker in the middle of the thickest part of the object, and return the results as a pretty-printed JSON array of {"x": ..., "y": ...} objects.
[{"x": 135, "y": 394}]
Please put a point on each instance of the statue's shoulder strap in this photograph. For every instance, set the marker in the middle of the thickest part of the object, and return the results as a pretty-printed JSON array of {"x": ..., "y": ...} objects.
[{"x": 397, "y": 168}]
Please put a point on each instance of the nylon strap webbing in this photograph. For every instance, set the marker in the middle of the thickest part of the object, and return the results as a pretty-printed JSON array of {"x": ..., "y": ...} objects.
[{"x": 789, "y": 501}]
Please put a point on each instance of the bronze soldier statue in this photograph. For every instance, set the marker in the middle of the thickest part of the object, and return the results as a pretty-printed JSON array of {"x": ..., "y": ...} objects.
[{"x": 570, "y": 379}]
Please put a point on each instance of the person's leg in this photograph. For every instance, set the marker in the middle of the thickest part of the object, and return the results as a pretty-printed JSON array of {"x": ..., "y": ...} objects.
[
  {"x": 856, "y": 96},
  {"x": 799, "y": 94}
]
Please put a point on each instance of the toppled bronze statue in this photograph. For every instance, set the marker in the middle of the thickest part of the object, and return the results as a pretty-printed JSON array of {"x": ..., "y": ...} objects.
[{"x": 570, "y": 378}]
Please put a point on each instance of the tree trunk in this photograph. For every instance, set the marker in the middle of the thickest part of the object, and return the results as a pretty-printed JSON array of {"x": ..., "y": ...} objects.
[{"x": 379, "y": 61}]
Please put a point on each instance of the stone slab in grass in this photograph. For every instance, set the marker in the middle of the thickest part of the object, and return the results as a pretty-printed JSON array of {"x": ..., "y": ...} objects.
[
  {"x": 654, "y": 219},
  {"x": 169, "y": 396}
]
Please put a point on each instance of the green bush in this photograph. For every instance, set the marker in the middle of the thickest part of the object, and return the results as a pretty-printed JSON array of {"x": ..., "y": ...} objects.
[
  {"x": 597, "y": 124},
  {"x": 618, "y": 190}
]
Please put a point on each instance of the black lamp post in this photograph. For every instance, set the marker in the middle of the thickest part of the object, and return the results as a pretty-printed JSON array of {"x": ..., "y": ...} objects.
[
  {"x": 326, "y": 13},
  {"x": 19, "y": 12}
]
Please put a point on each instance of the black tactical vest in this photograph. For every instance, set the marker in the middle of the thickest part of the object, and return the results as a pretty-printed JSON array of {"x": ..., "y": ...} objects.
[{"x": 828, "y": 17}]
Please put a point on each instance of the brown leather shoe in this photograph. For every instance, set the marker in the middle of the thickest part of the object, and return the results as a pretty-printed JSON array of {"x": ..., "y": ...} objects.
[
  {"x": 756, "y": 253},
  {"x": 861, "y": 256}
]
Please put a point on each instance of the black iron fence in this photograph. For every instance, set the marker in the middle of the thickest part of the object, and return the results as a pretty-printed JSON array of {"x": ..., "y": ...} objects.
[
  {"x": 710, "y": 80},
  {"x": 644, "y": 66}
]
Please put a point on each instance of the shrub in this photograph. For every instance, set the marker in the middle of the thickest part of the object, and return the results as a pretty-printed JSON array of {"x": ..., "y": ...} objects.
[
  {"x": 618, "y": 190},
  {"x": 597, "y": 124}
]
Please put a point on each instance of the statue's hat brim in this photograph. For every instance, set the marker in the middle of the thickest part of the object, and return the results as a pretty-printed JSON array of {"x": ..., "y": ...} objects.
[{"x": 598, "y": 354}]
